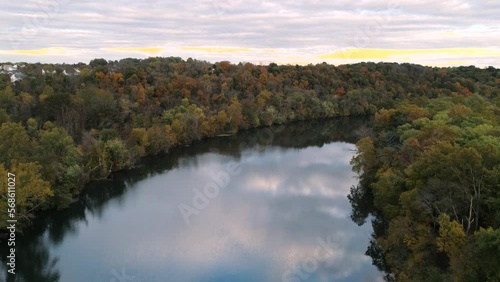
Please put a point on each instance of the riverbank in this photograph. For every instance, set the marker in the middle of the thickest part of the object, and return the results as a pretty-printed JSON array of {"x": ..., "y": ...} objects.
[{"x": 81, "y": 128}]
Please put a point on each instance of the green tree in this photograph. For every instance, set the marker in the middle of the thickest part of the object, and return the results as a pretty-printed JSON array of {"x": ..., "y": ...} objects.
[
  {"x": 487, "y": 242},
  {"x": 15, "y": 144},
  {"x": 234, "y": 115},
  {"x": 61, "y": 164},
  {"x": 365, "y": 158}
]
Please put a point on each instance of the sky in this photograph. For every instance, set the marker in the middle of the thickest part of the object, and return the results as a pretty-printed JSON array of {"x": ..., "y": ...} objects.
[{"x": 427, "y": 32}]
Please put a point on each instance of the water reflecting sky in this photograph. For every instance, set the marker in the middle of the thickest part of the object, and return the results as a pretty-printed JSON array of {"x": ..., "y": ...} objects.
[{"x": 283, "y": 217}]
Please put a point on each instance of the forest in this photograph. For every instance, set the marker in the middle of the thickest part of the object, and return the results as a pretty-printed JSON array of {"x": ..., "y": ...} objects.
[
  {"x": 428, "y": 170},
  {"x": 429, "y": 177}
]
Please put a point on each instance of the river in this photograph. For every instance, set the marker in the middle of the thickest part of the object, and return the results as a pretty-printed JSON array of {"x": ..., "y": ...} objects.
[{"x": 263, "y": 205}]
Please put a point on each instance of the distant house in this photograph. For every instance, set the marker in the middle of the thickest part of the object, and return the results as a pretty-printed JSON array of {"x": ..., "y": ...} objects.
[
  {"x": 47, "y": 72},
  {"x": 8, "y": 68},
  {"x": 16, "y": 76},
  {"x": 73, "y": 72}
]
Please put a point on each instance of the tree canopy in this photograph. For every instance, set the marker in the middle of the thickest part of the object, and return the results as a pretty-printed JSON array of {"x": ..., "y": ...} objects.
[{"x": 428, "y": 174}]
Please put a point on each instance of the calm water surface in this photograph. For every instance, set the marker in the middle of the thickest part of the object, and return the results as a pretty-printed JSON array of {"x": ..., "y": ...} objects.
[{"x": 281, "y": 215}]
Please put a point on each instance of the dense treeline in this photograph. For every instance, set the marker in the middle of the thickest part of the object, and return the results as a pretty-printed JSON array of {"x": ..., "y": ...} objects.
[
  {"x": 64, "y": 125},
  {"x": 430, "y": 176}
]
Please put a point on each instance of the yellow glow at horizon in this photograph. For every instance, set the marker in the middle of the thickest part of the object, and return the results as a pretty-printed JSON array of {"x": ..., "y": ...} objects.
[
  {"x": 43, "y": 51},
  {"x": 148, "y": 50},
  {"x": 365, "y": 53},
  {"x": 463, "y": 63}
]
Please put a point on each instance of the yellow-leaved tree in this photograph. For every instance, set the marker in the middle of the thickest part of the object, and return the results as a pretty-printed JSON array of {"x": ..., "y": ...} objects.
[{"x": 31, "y": 191}]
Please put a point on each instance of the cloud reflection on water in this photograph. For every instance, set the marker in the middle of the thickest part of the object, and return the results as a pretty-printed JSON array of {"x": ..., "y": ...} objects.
[{"x": 266, "y": 221}]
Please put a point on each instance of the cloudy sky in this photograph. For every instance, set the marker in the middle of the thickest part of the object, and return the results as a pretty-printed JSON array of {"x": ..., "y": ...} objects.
[{"x": 428, "y": 32}]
